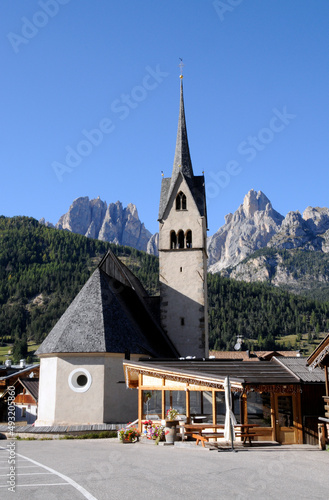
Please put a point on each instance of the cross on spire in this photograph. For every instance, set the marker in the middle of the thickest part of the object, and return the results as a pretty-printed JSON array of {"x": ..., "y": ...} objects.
[{"x": 181, "y": 66}]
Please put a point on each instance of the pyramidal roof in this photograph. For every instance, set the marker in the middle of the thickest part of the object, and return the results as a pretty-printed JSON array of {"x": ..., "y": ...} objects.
[
  {"x": 183, "y": 167},
  {"x": 109, "y": 315}
]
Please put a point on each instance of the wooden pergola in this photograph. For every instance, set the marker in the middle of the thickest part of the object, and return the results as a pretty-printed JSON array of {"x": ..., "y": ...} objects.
[{"x": 208, "y": 377}]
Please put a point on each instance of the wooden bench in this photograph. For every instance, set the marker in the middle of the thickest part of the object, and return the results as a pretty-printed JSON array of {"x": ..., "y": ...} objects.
[
  {"x": 247, "y": 432},
  {"x": 248, "y": 435},
  {"x": 204, "y": 438}
]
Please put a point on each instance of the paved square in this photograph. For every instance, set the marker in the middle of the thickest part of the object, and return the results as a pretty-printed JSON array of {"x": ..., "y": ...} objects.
[{"x": 106, "y": 469}]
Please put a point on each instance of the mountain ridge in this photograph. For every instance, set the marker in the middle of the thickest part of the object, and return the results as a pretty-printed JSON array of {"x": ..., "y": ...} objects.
[
  {"x": 105, "y": 222},
  {"x": 255, "y": 225}
]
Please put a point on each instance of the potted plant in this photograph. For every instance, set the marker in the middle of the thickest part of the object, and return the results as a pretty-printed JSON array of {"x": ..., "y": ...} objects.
[
  {"x": 154, "y": 431},
  {"x": 129, "y": 434},
  {"x": 170, "y": 425},
  {"x": 145, "y": 425}
]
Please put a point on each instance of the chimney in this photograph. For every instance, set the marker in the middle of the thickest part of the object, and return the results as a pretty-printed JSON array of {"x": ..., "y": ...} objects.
[
  {"x": 22, "y": 363},
  {"x": 8, "y": 363}
]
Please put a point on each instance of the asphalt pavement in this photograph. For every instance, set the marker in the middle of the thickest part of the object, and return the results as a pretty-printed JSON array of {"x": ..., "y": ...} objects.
[{"x": 107, "y": 469}]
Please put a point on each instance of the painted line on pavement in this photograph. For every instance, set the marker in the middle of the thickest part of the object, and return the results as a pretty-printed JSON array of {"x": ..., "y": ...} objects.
[{"x": 75, "y": 485}]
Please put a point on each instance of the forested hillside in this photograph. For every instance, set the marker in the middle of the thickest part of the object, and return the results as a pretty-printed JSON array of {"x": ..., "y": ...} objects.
[
  {"x": 262, "y": 315},
  {"x": 42, "y": 269}
]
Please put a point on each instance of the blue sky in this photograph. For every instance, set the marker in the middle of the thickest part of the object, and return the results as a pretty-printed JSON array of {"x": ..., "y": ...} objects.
[{"x": 90, "y": 94}]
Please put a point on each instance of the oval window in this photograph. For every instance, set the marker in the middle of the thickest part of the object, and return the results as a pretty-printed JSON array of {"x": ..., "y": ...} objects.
[{"x": 80, "y": 380}]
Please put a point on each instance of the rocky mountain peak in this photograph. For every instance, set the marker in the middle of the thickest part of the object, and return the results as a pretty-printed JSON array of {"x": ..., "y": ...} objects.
[
  {"x": 254, "y": 202},
  {"x": 113, "y": 223},
  {"x": 317, "y": 218},
  {"x": 255, "y": 224},
  {"x": 250, "y": 227}
]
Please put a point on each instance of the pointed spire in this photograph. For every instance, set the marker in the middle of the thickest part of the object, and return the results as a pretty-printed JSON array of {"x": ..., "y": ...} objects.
[{"x": 182, "y": 160}]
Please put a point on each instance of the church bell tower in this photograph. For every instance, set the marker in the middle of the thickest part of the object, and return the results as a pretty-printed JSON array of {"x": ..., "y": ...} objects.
[{"x": 183, "y": 251}]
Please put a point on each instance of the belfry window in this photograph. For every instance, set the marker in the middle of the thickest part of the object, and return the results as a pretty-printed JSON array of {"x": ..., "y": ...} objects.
[
  {"x": 189, "y": 239},
  {"x": 181, "y": 239},
  {"x": 173, "y": 239},
  {"x": 181, "y": 201}
]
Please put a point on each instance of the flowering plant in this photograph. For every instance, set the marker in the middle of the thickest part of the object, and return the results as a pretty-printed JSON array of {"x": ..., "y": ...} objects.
[
  {"x": 172, "y": 413},
  {"x": 155, "y": 432},
  {"x": 130, "y": 434}
]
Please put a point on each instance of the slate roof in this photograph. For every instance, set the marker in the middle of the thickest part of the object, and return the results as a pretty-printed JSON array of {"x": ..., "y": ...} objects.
[
  {"x": 110, "y": 315},
  {"x": 182, "y": 160},
  {"x": 260, "y": 373},
  {"x": 251, "y": 356},
  {"x": 300, "y": 368},
  {"x": 14, "y": 374},
  {"x": 183, "y": 166},
  {"x": 32, "y": 385}
]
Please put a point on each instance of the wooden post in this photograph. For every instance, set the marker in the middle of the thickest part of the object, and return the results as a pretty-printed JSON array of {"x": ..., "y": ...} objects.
[
  {"x": 297, "y": 408},
  {"x": 163, "y": 404},
  {"x": 327, "y": 380},
  {"x": 322, "y": 436},
  {"x": 214, "y": 409},
  {"x": 273, "y": 418},
  {"x": 140, "y": 403},
  {"x": 244, "y": 409},
  {"x": 188, "y": 411}
]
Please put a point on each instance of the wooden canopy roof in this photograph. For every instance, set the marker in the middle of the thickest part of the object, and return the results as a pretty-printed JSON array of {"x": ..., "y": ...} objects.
[
  {"x": 263, "y": 376},
  {"x": 320, "y": 356}
]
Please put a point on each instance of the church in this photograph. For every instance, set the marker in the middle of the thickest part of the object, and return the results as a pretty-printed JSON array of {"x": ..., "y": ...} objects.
[{"x": 113, "y": 319}]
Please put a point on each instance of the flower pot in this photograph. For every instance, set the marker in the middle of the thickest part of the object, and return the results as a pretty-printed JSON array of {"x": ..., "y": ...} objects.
[
  {"x": 129, "y": 440},
  {"x": 170, "y": 431}
]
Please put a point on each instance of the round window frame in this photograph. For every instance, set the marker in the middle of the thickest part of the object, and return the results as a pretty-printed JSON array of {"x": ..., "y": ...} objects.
[{"x": 73, "y": 377}]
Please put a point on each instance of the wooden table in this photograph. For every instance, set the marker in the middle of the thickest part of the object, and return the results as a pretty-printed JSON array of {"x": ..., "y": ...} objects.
[{"x": 197, "y": 431}]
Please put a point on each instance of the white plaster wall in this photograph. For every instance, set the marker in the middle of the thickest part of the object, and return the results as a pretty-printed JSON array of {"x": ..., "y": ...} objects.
[
  {"x": 80, "y": 407},
  {"x": 30, "y": 413},
  {"x": 107, "y": 400},
  {"x": 47, "y": 391},
  {"x": 121, "y": 403}
]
